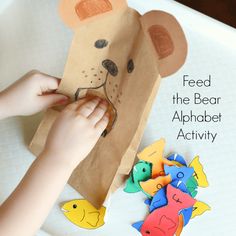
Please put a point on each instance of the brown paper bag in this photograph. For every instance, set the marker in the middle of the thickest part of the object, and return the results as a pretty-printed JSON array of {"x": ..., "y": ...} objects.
[{"x": 119, "y": 55}]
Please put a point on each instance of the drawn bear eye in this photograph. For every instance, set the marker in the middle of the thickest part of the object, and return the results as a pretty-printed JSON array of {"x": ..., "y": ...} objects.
[
  {"x": 130, "y": 66},
  {"x": 101, "y": 43}
]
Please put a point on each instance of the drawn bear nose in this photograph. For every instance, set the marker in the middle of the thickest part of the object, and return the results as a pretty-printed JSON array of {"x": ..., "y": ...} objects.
[{"x": 110, "y": 66}]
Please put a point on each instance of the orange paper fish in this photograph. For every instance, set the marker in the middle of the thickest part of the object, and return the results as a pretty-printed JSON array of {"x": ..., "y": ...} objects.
[{"x": 155, "y": 155}]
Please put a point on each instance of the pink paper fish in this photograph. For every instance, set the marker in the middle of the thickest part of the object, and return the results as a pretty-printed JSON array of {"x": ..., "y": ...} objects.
[{"x": 164, "y": 221}]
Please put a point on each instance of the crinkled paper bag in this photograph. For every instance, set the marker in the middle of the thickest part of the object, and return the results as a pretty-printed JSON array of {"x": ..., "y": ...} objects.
[{"x": 119, "y": 55}]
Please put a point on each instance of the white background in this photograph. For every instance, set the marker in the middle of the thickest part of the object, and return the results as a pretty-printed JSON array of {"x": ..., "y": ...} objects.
[{"x": 33, "y": 36}]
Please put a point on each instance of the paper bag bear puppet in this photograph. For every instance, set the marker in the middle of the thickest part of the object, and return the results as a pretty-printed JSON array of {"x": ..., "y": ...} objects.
[{"x": 121, "y": 56}]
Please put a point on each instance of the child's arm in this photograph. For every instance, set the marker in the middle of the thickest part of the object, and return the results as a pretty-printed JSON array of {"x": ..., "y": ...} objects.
[
  {"x": 71, "y": 138},
  {"x": 34, "y": 92}
]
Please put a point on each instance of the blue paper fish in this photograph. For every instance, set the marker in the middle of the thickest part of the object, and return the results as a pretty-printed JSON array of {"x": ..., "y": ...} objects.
[
  {"x": 179, "y": 173},
  {"x": 158, "y": 200},
  {"x": 176, "y": 158}
]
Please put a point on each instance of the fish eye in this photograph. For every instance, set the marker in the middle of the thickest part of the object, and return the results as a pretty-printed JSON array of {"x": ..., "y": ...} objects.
[
  {"x": 74, "y": 206},
  {"x": 101, "y": 43},
  {"x": 180, "y": 175},
  {"x": 147, "y": 232}
]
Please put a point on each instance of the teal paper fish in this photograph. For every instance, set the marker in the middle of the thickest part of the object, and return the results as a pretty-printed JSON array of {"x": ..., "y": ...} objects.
[{"x": 142, "y": 171}]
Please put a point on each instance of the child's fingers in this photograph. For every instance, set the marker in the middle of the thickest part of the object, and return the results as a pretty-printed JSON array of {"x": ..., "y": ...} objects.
[
  {"x": 102, "y": 124},
  {"x": 50, "y": 84},
  {"x": 98, "y": 112},
  {"x": 75, "y": 105},
  {"x": 47, "y": 83},
  {"x": 87, "y": 108},
  {"x": 53, "y": 99}
]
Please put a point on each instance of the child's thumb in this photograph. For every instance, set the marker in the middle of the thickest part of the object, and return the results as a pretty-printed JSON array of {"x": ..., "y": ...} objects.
[{"x": 54, "y": 99}]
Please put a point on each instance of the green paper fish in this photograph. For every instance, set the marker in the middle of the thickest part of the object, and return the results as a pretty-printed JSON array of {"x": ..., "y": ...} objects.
[
  {"x": 192, "y": 186},
  {"x": 142, "y": 171}
]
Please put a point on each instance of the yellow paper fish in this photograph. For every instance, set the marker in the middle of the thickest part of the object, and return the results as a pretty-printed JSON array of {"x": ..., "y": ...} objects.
[
  {"x": 81, "y": 213},
  {"x": 199, "y": 174},
  {"x": 199, "y": 208}
]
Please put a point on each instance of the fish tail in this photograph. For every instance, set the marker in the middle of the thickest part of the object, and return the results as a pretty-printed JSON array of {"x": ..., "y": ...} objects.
[{"x": 199, "y": 173}]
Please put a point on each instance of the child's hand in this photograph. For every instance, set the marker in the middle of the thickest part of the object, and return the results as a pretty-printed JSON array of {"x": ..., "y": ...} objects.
[
  {"x": 76, "y": 131},
  {"x": 34, "y": 92}
]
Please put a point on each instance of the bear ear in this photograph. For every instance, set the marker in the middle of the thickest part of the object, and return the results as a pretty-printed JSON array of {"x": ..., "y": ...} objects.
[
  {"x": 73, "y": 12},
  {"x": 167, "y": 39}
]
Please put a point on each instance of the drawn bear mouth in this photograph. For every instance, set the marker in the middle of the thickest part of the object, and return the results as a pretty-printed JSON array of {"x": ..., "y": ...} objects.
[{"x": 111, "y": 69}]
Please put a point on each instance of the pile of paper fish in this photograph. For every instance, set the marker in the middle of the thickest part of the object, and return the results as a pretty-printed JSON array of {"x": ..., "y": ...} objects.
[{"x": 170, "y": 186}]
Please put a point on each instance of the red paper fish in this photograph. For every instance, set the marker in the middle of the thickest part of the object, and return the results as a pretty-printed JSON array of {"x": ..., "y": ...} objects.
[{"x": 165, "y": 221}]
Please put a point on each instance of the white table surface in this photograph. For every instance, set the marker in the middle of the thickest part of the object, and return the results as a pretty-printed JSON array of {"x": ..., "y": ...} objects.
[{"x": 33, "y": 36}]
